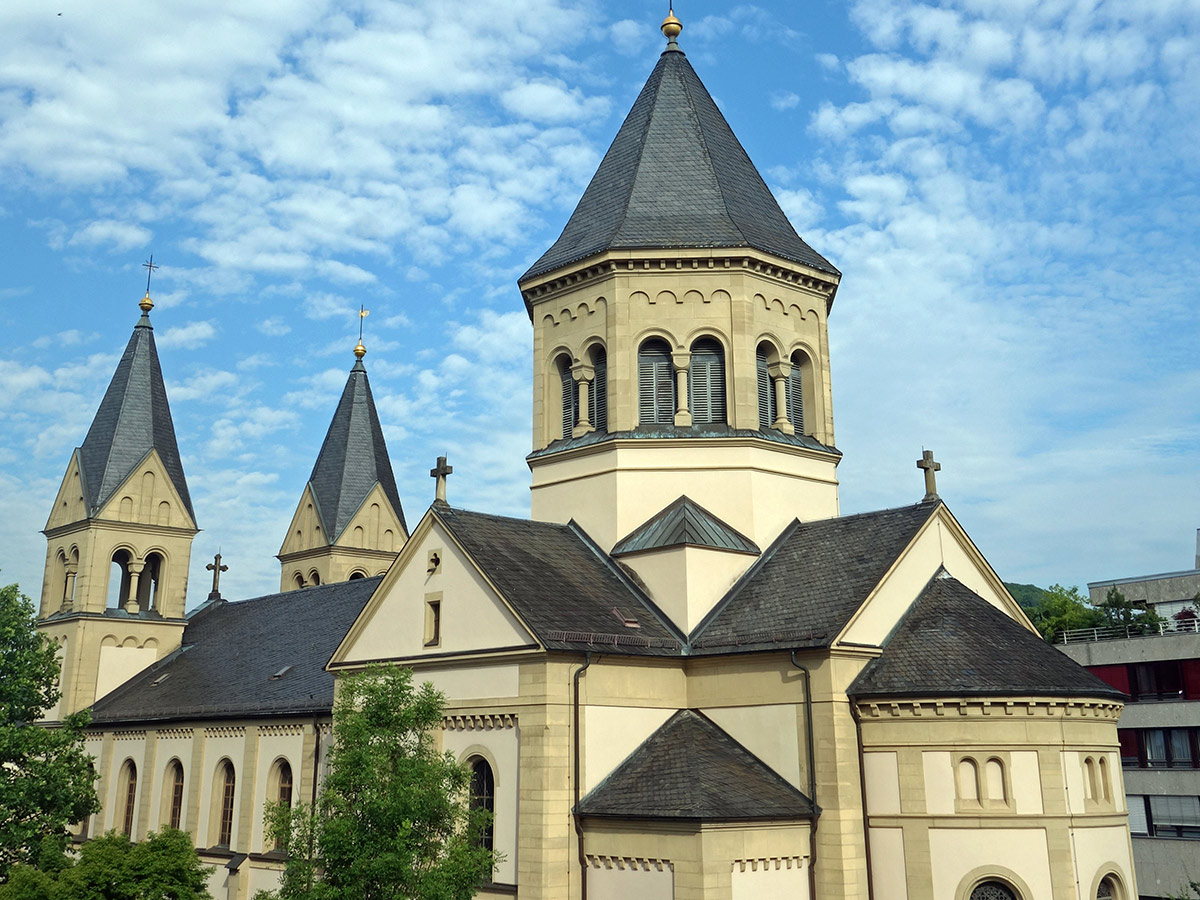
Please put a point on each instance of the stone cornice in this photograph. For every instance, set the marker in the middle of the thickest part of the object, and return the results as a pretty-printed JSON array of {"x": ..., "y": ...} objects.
[{"x": 1064, "y": 707}]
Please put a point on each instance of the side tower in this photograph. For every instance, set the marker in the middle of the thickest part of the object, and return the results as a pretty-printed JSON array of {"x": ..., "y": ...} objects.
[
  {"x": 119, "y": 538},
  {"x": 680, "y": 342},
  {"x": 349, "y": 523}
]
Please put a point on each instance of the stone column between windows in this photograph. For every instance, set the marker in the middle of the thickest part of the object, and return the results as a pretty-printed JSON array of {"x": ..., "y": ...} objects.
[
  {"x": 779, "y": 373},
  {"x": 681, "y": 359},
  {"x": 131, "y": 602},
  {"x": 68, "y": 600},
  {"x": 583, "y": 375}
]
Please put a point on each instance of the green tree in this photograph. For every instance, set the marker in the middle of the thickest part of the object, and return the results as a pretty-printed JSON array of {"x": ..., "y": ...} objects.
[
  {"x": 1123, "y": 613},
  {"x": 46, "y": 778},
  {"x": 165, "y": 866},
  {"x": 1060, "y": 609},
  {"x": 392, "y": 819}
]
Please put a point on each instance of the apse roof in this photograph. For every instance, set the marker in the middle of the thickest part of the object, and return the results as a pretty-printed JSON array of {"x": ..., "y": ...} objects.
[
  {"x": 133, "y": 419},
  {"x": 353, "y": 458},
  {"x": 676, "y": 176}
]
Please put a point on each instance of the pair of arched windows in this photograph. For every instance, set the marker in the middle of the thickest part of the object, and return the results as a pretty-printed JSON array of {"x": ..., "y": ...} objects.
[
  {"x": 989, "y": 790},
  {"x": 1097, "y": 786},
  {"x": 121, "y": 587},
  {"x": 657, "y": 398},
  {"x": 768, "y": 392},
  {"x": 597, "y": 393}
]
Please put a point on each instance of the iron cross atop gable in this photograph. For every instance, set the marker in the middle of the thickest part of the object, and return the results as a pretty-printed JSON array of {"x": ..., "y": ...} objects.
[
  {"x": 216, "y": 568},
  {"x": 927, "y": 463},
  {"x": 149, "y": 266},
  {"x": 440, "y": 473}
]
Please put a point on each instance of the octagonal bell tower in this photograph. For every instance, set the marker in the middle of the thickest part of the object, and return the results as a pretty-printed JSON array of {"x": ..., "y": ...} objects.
[{"x": 680, "y": 334}]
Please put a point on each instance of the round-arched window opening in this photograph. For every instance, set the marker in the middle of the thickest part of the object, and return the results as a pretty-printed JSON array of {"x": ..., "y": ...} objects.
[
  {"x": 483, "y": 795},
  {"x": 993, "y": 890},
  {"x": 1107, "y": 889}
]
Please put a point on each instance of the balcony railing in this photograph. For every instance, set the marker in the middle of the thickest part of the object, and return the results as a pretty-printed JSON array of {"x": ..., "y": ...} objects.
[{"x": 1121, "y": 632}]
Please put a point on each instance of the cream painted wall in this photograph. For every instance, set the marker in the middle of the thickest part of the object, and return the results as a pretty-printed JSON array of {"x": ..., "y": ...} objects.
[
  {"x": 770, "y": 880},
  {"x": 126, "y": 746},
  {"x": 629, "y": 880},
  {"x": 216, "y": 749},
  {"x": 501, "y": 747},
  {"x": 686, "y": 582},
  {"x": 888, "y": 865},
  {"x": 474, "y": 682},
  {"x": 882, "y": 775},
  {"x": 119, "y": 664},
  {"x": 611, "y": 733},
  {"x": 769, "y": 732},
  {"x": 473, "y": 616},
  {"x": 1026, "y": 782},
  {"x": 1099, "y": 851},
  {"x": 168, "y": 749},
  {"x": 272, "y": 747},
  {"x": 939, "y": 783},
  {"x": 1072, "y": 769},
  {"x": 956, "y": 852}
]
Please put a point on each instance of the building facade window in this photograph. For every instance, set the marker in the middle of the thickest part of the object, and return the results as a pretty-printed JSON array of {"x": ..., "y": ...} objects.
[
  {"x": 228, "y": 785},
  {"x": 993, "y": 890},
  {"x": 795, "y": 392},
  {"x": 483, "y": 795},
  {"x": 175, "y": 782},
  {"x": 1174, "y": 817},
  {"x": 129, "y": 797},
  {"x": 766, "y": 391},
  {"x": 569, "y": 395},
  {"x": 656, "y": 384},
  {"x": 706, "y": 382},
  {"x": 598, "y": 397},
  {"x": 1159, "y": 748}
]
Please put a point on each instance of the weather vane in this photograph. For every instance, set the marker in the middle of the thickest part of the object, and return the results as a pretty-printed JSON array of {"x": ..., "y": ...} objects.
[
  {"x": 149, "y": 266},
  {"x": 363, "y": 312}
]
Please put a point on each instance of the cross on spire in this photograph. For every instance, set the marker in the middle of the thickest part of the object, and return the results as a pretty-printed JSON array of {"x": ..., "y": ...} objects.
[
  {"x": 440, "y": 473},
  {"x": 927, "y": 463},
  {"x": 216, "y": 568},
  {"x": 149, "y": 266}
]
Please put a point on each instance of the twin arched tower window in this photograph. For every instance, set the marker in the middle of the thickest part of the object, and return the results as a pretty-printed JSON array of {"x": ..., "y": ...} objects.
[
  {"x": 658, "y": 400},
  {"x": 768, "y": 392},
  {"x": 597, "y": 393},
  {"x": 706, "y": 382}
]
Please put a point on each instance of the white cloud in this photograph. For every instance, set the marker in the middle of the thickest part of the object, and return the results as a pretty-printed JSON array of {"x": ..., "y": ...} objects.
[
  {"x": 186, "y": 337},
  {"x": 119, "y": 236},
  {"x": 784, "y": 100},
  {"x": 275, "y": 326},
  {"x": 210, "y": 386},
  {"x": 551, "y": 102}
]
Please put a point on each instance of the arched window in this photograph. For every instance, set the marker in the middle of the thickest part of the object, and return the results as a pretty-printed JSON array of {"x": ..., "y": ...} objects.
[
  {"x": 994, "y": 772},
  {"x": 706, "y": 382},
  {"x": 354, "y": 576},
  {"x": 766, "y": 390},
  {"x": 314, "y": 577},
  {"x": 1105, "y": 783},
  {"x": 118, "y": 579},
  {"x": 568, "y": 395},
  {"x": 1089, "y": 780},
  {"x": 656, "y": 384},
  {"x": 173, "y": 789},
  {"x": 285, "y": 783},
  {"x": 128, "y": 787},
  {"x": 149, "y": 581},
  {"x": 795, "y": 392},
  {"x": 993, "y": 890},
  {"x": 299, "y": 580},
  {"x": 598, "y": 398},
  {"x": 1107, "y": 889},
  {"x": 968, "y": 780},
  {"x": 227, "y": 784},
  {"x": 483, "y": 794}
]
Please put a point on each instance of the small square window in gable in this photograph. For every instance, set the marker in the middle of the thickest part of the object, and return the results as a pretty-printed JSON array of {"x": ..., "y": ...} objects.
[{"x": 433, "y": 619}]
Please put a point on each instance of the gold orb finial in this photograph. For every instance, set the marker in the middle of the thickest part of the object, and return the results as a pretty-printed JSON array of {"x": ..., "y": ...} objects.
[
  {"x": 146, "y": 304},
  {"x": 359, "y": 350},
  {"x": 671, "y": 26}
]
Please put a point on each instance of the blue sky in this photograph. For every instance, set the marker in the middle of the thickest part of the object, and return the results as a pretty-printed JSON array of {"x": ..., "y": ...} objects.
[{"x": 1009, "y": 187}]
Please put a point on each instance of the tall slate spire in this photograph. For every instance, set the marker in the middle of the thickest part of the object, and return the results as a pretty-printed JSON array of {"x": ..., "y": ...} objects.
[
  {"x": 133, "y": 419},
  {"x": 676, "y": 177},
  {"x": 353, "y": 459}
]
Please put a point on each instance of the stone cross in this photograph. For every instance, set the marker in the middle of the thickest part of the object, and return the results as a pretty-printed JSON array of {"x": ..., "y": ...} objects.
[
  {"x": 216, "y": 568},
  {"x": 927, "y": 463},
  {"x": 440, "y": 474}
]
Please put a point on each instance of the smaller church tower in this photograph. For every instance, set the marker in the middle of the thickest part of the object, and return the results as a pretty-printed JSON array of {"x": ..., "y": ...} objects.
[
  {"x": 119, "y": 538},
  {"x": 349, "y": 523}
]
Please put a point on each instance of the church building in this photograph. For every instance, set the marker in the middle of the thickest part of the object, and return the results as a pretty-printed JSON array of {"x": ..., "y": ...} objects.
[{"x": 686, "y": 675}]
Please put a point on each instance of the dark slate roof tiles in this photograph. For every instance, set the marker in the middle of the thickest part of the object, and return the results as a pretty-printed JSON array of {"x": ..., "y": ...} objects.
[
  {"x": 676, "y": 176},
  {"x": 133, "y": 419},
  {"x": 805, "y": 588},
  {"x": 691, "y": 769},
  {"x": 353, "y": 459},
  {"x": 561, "y": 585},
  {"x": 952, "y": 643},
  {"x": 231, "y": 650},
  {"x": 685, "y": 522}
]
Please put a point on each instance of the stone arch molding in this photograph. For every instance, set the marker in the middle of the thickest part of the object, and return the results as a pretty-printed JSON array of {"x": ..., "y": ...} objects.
[
  {"x": 778, "y": 305},
  {"x": 1113, "y": 872},
  {"x": 1000, "y": 873},
  {"x": 574, "y": 311}
]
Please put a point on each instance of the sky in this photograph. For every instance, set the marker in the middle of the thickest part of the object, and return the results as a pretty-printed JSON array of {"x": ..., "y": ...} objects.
[{"x": 1010, "y": 188}]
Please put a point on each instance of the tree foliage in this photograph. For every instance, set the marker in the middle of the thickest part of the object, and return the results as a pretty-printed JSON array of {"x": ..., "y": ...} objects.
[
  {"x": 165, "y": 866},
  {"x": 1057, "y": 609},
  {"x": 46, "y": 777},
  {"x": 392, "y": 818},
  {"x": 1124, "y": 613}
]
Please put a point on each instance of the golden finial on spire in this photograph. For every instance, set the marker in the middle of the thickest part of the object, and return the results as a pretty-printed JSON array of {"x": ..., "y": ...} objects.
[
  {"x": 359, "y": 350},
  {"x": 671, "y": 26},
  {"x": 146, "y": 304}
]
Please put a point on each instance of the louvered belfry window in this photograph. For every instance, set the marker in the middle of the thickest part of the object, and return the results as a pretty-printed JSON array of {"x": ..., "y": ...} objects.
[
  {"x": 795, "y": 395},
  {"x": 656, "y": 384},
  {"x": 598, "y": 397},
  {"x": 569, "y": 397},
  {"x": 766, "y": 392},
  {"x": 706, "y": 382}
]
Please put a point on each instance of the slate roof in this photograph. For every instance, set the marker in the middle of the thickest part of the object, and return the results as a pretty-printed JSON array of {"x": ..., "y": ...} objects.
[
  {"x": 561, "y": 585},
  {"x": 809, "y": 583},
  {"x": 691, "y": 769},
  {"x": 353, "y": 459},
  {"x": 952, "y": 642},
  {"x": 685, "y": 522},
  {"x": 133, "y": 419},
  {"x": 231, "y": 650},
  {"x": 676, "y": 177}
]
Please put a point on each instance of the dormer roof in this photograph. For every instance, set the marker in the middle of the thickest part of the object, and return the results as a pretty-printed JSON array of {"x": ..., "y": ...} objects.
[
  {"x": 676, "y": 177},
  {"x": 684, "y": 523},
  {"x": 133, "y": 419},
  {"x": 353, "y": 459}
]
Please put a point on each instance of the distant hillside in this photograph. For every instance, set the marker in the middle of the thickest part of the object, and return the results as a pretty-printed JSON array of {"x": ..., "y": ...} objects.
[{"x": 1030, "y": 596}]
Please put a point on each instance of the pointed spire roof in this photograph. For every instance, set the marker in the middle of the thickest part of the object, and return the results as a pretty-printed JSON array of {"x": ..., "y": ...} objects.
[
  {"x": 676, "y": 177},
  {"x": 133, "y": 419},
  {"x": 353, "y": 459}
]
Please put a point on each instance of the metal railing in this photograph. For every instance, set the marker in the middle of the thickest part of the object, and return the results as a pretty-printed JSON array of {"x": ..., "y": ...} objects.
[{"x": 1121, "y": 632}]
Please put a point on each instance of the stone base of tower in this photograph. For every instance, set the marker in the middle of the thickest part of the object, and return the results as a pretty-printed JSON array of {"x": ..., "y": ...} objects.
[{"x": 756, "y": 485}]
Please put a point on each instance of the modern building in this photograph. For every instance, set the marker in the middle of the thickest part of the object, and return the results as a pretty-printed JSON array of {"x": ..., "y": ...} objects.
[
  {"x": 687, "y": 675},
  {"x": 1159, "y": 730}
]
